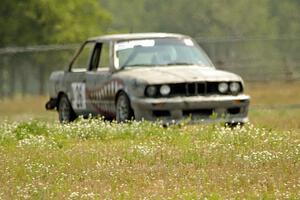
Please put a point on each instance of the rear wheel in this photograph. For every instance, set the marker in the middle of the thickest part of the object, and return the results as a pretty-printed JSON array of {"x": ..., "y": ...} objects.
[
  {"x": 124, "y": 111},
  {"x": 65, "y": 111}
]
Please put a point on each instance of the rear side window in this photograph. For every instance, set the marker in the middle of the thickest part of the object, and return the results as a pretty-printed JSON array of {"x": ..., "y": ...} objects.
[{"x": 104, "y": 56}]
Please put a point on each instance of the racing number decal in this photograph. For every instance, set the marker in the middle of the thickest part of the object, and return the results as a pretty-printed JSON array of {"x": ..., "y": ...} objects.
[{"x": 79, "y": 101}]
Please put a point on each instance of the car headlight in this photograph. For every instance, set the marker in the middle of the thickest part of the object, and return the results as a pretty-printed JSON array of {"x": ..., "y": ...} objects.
[
  {"x": 151, "y": 91},
  {"x": 165, "y": 90},
  {"x": 223, "y": 87},
  {"x": 234, "y": 87}
]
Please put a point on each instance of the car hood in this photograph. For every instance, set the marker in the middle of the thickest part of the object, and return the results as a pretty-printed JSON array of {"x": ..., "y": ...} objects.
[{"x": 177, "y": 74}]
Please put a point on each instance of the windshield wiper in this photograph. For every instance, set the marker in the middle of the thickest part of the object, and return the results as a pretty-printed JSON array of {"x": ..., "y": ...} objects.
[
  {"x": 136, "y": 65},
  {"x": 167, "y": 64},
  {"x": 180, "y": 63}
]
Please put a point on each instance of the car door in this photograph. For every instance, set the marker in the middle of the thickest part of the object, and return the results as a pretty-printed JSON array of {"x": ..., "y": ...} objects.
[
  {"x": 75, "y": 79},
  {"x": 99, "y": 83}
]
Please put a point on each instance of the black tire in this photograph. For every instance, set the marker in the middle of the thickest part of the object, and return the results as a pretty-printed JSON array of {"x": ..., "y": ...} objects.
[
  {"x": 124, "y": 111},
  {"x": 66, "y": 113},
  {"x": 234, "y": 125}
]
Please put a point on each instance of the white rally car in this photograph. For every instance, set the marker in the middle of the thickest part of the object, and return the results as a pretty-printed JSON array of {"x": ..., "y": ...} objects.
[{"x": 150, "y": 76}]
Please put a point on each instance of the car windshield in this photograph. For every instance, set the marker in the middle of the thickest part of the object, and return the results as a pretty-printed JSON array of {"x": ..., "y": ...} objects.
[{"x": 159, "y": 52}]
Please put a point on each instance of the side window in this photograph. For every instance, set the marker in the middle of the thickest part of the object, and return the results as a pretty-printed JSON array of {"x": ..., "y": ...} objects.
[
  {"x": 104, "y": 56},
  {"x": 82, "y": 60},
  {"x": 95, "y": 57}
]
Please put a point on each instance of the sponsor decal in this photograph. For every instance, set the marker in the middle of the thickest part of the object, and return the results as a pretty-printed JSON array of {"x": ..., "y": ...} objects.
[
  {"x": 131, "y": 44},
  {"x": 188, "y": 42},
  {"x": 79, "y": 101}
]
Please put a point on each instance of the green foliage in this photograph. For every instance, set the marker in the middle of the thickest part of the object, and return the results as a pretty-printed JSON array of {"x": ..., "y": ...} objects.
[
  {"x": 205, "y": 18},
  {"x": 287, "y": 16},
  {"x": 30, "y": 129},
  {"x": 44, "y": 21}
]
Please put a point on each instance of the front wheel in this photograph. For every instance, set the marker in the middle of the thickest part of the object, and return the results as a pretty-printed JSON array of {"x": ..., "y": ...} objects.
[
  {"x": 65, "y": 111},
  {"x": 124, "y": 111},
  {"x": 234, "y": 125}
]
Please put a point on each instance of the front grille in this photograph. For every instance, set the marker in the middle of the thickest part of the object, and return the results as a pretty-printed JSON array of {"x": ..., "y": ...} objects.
[
  {"x": 178, "y": 89},
  {"x": 212, "y": 88},
  {"x": 193, "y": 89},
  {"x": 188, "y": 89}
]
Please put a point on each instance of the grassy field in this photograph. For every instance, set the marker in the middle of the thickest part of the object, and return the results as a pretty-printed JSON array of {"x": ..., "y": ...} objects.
[{"x": 93, "y": 159}]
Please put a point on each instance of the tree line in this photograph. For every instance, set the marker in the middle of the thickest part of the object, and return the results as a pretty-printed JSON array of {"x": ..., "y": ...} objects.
[
  {"x": 42, "y": 22},
  {"x": 34, "y": 22}
]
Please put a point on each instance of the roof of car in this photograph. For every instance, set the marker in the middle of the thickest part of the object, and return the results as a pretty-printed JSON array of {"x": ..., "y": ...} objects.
[{"x": 131, "y": 36}]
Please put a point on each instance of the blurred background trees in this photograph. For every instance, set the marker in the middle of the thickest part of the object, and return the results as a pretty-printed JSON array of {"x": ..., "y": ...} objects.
[
  {"x": 40, "y": 22},
  {"x": 258, "y": 39},
  {"x": 206, "y": 18},
  {"x": 33, "y": 22},
  {"x": 43, "y": 21}
]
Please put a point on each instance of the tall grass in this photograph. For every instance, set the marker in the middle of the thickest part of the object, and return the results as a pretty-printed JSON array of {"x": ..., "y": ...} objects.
[
  {"x": 93, "y": 159},
  {"x": 274, "y": 93}
]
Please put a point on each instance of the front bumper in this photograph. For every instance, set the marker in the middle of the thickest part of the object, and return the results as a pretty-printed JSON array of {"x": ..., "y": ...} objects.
[{"x": 228, "y": 109}]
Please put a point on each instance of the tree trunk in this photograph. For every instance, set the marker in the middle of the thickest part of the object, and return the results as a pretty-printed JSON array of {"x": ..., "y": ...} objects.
[
  {"x": 12, "y": 88},
  {"x": 1, "y": 83}
]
